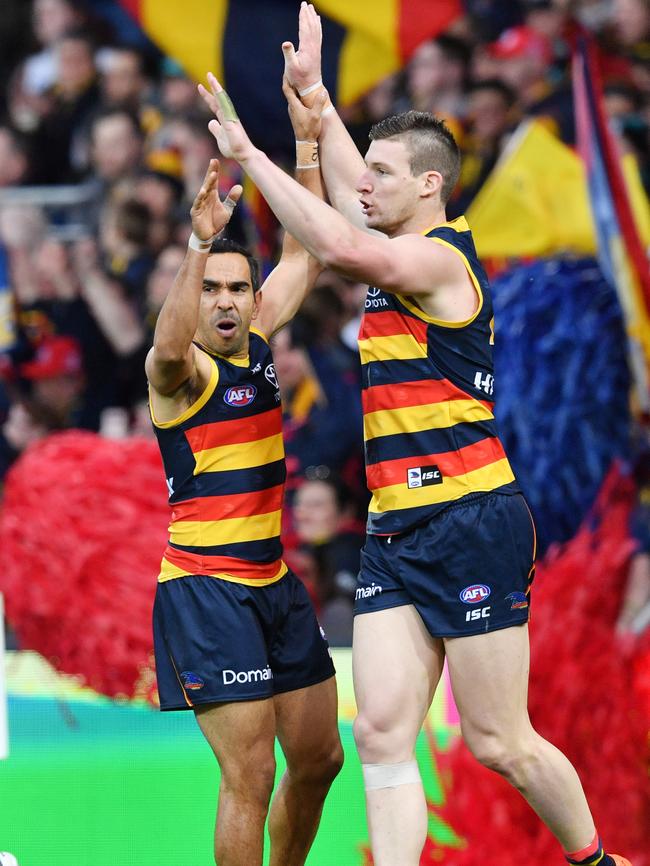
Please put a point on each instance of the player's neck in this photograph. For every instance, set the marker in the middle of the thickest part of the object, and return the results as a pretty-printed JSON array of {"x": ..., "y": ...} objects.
[{"x": 420, "y": 223}]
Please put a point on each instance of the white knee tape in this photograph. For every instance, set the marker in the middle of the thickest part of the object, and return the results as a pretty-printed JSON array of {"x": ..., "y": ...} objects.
[{"x": 390, "y": 775}]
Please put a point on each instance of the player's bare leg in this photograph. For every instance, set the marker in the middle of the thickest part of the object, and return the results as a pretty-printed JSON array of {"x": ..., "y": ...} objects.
[
  {"x": 489, "y": 677},
  {"x": 397, "y": 666},
  {"x": 242, "y": 737},
  {"x": 307, "y": 728}
]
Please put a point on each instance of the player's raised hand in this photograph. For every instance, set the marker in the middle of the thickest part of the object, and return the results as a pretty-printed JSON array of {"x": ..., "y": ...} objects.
[
  {"x": 306, "y": 122},
  {"x": 231, "y": 136},
  {"x": 209, "y": 214},
  {"x": 303, "y": 67}
]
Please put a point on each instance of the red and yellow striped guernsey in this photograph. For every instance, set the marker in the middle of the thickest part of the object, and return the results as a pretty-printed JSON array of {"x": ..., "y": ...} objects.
[
  {"x": 428, "y": 401},
  {"x": 225, "y": 469}
]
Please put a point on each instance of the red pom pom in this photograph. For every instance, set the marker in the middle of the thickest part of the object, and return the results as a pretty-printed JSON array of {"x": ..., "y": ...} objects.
[{"x": 82, "y": 530}]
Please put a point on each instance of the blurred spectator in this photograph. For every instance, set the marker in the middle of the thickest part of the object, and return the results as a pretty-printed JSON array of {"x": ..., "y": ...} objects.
[
  {"x": 124, "y": 238},
  {"x": 492, "y": 114},
  {"x": 57, "y": 378},
  {"x": 27, "y": 421},
  {"x": 521, "y": 57},
  {"x": 123, "y": 82},
  {"x": 14, "y": 24},
  {"x": 488, "y": 18},
  {"x": 14, "y": 157},
  {"x": 436, "y": 78},
  {"x": 322, "y": 418},
  {"x": 178, "y": 95},
  {"x": 116, "y": 147},
  {"x": 549, "y": 20},
  {"x": 632, "y": 21},
  {"x": 160, "y": 187},
  {"x": 51, "y": 20},
  {"x": 328, "y": 529},
  {"x": 161, "y": 280},
  {"x": 60, "y": 153}
]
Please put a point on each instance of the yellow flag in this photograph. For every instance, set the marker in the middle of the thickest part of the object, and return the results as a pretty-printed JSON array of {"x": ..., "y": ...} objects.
[{"x": 535, "y": 202}]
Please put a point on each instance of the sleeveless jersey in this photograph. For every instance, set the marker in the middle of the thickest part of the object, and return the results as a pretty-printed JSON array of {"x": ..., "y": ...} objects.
[
  {"x": 428, "y": 400},
  {"x": 225, "y": 469}
]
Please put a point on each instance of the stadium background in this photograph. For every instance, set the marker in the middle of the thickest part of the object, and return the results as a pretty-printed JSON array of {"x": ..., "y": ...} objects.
[{"x": 102, "y": 147}]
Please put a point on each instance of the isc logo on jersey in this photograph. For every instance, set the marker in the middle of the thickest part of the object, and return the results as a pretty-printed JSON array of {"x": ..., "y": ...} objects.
[
  {"x": 242, "y": 395},
  {"x": 423, "y": 476},
  {"x": 475, "y": 593}
]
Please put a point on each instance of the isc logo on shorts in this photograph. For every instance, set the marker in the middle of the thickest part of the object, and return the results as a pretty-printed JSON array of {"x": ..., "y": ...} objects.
[
  {"x": 423, "y": 476},
  {"x": 243, "y": 395},
  {"x": 475, "y": 593}
]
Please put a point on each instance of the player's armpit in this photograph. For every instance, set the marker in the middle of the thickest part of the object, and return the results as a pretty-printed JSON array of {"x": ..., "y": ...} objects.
[
  {"x": 285, "y": 289},
  {"x": 167, "y": 374}
]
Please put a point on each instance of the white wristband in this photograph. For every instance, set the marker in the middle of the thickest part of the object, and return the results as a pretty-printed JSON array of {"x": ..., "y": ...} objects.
[
  {"x": 199, "y": 245},
  {"x": 311, "y": 88}
]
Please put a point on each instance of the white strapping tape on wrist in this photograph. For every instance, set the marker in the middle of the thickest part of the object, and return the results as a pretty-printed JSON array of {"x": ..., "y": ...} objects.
[
  {"x": 377, "y": 776},
  {"x": 327, "y": 110},
  {"x": 311, "y": 88},
  {"x": 200, "y": 245}
]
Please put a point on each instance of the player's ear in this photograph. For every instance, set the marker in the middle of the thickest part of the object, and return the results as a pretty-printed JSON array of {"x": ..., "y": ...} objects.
[
  {"x": 431, "y": 184},
  {"x": 257, "y": 303}
]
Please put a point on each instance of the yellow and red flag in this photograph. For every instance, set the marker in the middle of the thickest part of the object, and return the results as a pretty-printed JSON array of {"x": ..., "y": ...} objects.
[{"x": 239, "y": 40}]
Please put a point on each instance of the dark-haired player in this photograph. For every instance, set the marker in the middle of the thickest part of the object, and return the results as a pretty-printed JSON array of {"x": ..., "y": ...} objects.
[
  {"x": 449, "y": 559},
  {"x": 236, "y": 637}
]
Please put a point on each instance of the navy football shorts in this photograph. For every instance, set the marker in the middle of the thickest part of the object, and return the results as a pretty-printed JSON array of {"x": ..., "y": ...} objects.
[
  {"x": 217, "y": 641},
  {"x": 467, "y": 571}
]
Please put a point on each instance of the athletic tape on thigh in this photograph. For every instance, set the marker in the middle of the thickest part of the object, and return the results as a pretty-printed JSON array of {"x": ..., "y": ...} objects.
[{"x": 390, "y": 775}]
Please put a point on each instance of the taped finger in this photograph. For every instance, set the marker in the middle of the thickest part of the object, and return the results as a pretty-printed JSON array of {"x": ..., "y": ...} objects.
[{"x": 226, "y": 106}]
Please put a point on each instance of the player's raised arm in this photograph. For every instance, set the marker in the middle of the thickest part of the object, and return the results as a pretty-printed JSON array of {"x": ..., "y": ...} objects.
[
  {"x": 171, "y": 361},
  {"x": 405, "y": 264},
  {"x": 341, "y": 163},
  {"x": 285, "y": 288}
]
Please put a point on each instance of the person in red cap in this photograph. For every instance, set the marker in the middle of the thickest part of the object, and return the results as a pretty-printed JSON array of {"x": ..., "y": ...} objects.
[{"x": 57, "y": 376}]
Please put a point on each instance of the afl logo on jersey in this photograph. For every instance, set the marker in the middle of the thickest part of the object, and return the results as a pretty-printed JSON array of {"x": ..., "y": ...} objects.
[
  {"x": 475, "y": 593},
  {"x": 243, "y": 395}
]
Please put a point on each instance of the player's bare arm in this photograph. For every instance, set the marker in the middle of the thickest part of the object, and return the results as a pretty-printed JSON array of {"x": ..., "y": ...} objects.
[
  {"x": 341, "y": 162},
  {"x": 407, "y": 264},
  {"x": 285, "y": 288},
  {"x": 176, "y": 370}
]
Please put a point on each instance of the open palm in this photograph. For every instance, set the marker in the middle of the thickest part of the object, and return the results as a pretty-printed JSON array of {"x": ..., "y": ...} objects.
[
  {"x": 209, "y": 214},
  {"x": 303, "y": 67}
]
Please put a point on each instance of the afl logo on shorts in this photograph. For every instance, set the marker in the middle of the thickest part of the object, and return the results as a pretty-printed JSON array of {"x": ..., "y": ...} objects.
[
  {"x": 240, "y": 396},
  {"x": 475, "y": 593}
]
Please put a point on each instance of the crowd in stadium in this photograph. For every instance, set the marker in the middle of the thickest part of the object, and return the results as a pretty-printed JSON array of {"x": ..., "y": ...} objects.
[{"x": 117, "y": 133}]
